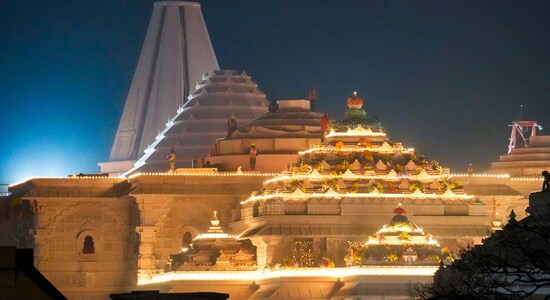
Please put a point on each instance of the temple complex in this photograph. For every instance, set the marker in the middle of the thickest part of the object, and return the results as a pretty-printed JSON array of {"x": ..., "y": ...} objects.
[
  {"x": 282, "y": 235},
  {"x": 285, "y": 234},
  {"x": 340, "y": 191},
  {"x": 184, "y": 210}
]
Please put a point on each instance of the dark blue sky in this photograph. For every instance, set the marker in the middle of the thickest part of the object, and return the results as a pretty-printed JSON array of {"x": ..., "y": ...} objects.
[{"x": 445, "y": 77}]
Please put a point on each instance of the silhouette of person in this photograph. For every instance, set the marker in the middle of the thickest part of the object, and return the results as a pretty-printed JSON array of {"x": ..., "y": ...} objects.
[
  {"x": 172, "y": 159},
  {"x": 312, "y": 96},
  {"x": 231, "y": 126},
  {"x": 273, "y": 107},
  {"x": 470, "y": 169},
  {"x": 325, "y": 123},
  {"x": 546, "y": 182},
  {"x": 253, "y": 153}
]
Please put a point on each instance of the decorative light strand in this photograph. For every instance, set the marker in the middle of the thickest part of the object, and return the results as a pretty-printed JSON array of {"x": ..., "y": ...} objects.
[
  {"x": 66, "y": 177},
  {"x": 302, "y": 272},
  {"x": 354, "y": 176},
  {"x": 481, "y": 175},
  {"x": 327, "y": 148},
  {"x": 215, "y": 174},
  {"x": 333, "y": 195}
]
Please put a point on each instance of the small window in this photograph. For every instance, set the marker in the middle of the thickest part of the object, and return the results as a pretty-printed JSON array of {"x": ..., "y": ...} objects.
[{"x": 88, "y": 245}]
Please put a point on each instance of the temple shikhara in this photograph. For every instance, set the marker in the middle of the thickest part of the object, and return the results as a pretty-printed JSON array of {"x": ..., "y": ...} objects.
[{"x": 212, "y": 187}]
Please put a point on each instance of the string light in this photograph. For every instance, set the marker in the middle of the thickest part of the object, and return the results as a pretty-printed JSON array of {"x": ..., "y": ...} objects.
[
  {"x": 300, "y": 273},
  {"x": 415, "y": 195}
]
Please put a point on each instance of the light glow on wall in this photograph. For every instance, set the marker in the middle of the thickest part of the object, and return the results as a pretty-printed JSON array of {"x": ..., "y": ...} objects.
[
  {"x": 354, "y": 176},
  {"x": 331, "y": 149},
  {"x": 481, "y": 175},
  {"x": 358, "y": 131},
  {"x": 334, "y": 195},
  {"x": 215, "y": 236},
  {"x": 215, "y": 174},
  {"x": 301, "y": 273}
]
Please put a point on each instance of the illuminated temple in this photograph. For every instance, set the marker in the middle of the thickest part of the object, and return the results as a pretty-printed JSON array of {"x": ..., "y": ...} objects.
[
  {"x": 308, "y": 223},
  {"x": 304, "y": 232}
]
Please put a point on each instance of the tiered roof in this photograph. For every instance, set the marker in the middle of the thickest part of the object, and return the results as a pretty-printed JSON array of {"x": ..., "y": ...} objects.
[
  {"x": 399, "y": 242},
  {"x": 530, "y": 161},
  {"x": 359, "y": 171},
  {"x": 203, "y": 118},
  {"x": 288, "y": 121}
]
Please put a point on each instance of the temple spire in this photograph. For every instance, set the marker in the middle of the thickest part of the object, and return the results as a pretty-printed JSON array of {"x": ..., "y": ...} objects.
[{"x": 175, "y": 54}]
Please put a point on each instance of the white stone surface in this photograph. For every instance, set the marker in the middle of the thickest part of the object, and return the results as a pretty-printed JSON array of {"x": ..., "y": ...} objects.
[{"x": 176, "y": 52}]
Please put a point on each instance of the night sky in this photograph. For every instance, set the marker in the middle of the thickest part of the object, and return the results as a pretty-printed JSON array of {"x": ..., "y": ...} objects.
[{"x": 445, "y": 77}]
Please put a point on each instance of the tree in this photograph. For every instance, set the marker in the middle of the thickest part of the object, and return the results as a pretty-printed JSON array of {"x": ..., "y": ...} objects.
[{"x": 513, "y": 263}]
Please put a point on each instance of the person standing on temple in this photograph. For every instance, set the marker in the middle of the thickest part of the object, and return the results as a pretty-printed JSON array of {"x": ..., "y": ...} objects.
[
  {"x": 231, "y": 126},
  {"x": 325, "y": 124},
  {"x": 273, "y": 107},
  {"x": 546, "y": 182},
  {"x": 312, "y": 96},
  {"x": 172, "y": 159},
  {"x": 470, "y": 169},
  {"x": 252, "y": 154}
]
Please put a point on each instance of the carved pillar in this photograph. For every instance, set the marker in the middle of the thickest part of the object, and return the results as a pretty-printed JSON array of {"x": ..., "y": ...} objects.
[
  {"x": 261, "y": 251},
  {"x": 147, "y": 260},
  {"x": 266, "y": 247},
  {"x": 320, "y": 247}
]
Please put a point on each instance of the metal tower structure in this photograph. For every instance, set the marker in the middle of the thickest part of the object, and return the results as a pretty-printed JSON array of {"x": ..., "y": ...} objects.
[{"x": 521, "y": 128}]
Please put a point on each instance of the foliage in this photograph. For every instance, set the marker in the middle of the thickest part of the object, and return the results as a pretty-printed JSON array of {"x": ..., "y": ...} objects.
[
  {"x": 372, "y": 122},
  {"x": 513, "y": 263},
  {"x": 434, "y": 165},
  {"x": 331, "y": 183},
  {"x": 405, "y": 236},
  {"x": 296, "y": 184},
  {"x": 375, "y": 185},
  {"x": 306, "y": 168},
  {"x": 449, "y": 184},
  {"x": 326, "y": 263},
  {"x": 393, "y": 257},
  {"x": 354, "y": 187},
  {"x": 416, "y": 186}
]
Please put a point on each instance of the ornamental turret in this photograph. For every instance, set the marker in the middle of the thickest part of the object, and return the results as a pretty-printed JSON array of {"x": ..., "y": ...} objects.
[
  {"x": 215, "y": 250},
  {"x": 355, "y": 113},
  {"x": 400, "y": 242}
]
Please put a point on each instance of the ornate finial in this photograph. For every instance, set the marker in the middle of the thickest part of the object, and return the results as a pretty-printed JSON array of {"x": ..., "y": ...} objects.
[
  {"x": 215, "y": 215},
  {"x": 399, "y": 210},
  {"x": 512, "y": 217},
  {"x": 355, "y": 112}
]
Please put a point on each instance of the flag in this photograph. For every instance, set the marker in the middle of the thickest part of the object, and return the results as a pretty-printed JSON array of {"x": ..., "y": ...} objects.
[{"x": 312, "y": 94}]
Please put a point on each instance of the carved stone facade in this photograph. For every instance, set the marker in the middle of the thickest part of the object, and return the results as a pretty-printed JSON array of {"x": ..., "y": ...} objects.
[{"x": 137, "y": 223}]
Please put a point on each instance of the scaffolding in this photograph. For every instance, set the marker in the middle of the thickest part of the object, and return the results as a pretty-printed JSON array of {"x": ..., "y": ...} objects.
[{"x": 522, "y": 128}]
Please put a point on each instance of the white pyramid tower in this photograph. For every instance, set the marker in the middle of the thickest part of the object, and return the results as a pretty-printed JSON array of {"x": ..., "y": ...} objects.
[{"x": 176, "y": 52}]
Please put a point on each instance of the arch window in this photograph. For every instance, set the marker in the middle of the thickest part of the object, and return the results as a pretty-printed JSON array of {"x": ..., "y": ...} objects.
[{"x": 88, "y": 247}]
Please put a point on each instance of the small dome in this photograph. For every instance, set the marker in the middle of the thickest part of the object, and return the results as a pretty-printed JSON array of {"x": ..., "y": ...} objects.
[{"x": 399, "y": 219}]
